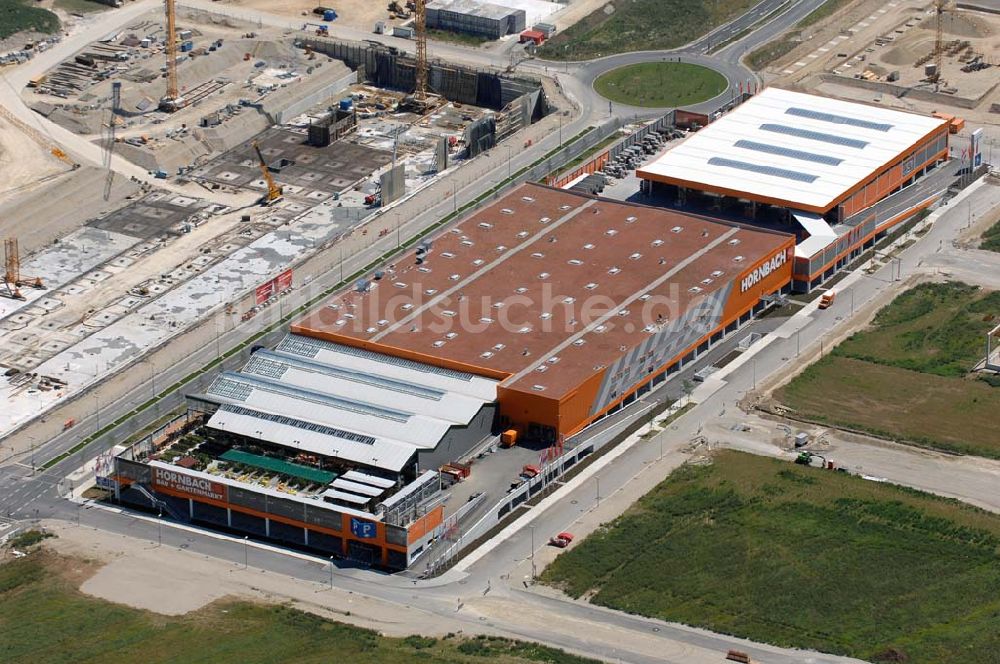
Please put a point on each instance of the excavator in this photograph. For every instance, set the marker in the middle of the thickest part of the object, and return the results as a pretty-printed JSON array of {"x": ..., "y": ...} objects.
[{"x": 275, "y": 192}]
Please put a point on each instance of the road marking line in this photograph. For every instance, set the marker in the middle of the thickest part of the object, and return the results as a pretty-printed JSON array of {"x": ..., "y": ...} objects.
[
  {"x": 823, "y": 49},
  {"x": 800, "y": 64},
  {"x": 813, "y": 55},
  {"x": 788, "y": 71}
]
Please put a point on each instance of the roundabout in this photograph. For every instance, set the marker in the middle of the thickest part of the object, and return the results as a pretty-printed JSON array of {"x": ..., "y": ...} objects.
[{"x": 660, "y": 84}]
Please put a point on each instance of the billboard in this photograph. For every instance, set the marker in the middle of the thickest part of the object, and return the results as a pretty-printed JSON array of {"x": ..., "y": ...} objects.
[
  {"x": 280, "y": 283},
  {"x": 264, "y": 291},
  {"x": 196, "y": 487},
  {"x": 363, "y": 529},
  {"x": 283, "y": 281}
]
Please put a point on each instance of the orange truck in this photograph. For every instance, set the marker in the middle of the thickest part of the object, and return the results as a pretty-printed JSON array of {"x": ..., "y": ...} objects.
[{"x": 827, "y": 299}]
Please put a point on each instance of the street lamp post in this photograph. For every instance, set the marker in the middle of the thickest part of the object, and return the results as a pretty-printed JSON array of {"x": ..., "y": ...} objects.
[
  {"x": 509, "y": 153},
  {"x": 598, "y": 480},
  {"x": 246, "y": 552},
  {"x": 532, "y": 552},
  {"x": 331, "y": 572},
  {"x": 159, "y": 524}
]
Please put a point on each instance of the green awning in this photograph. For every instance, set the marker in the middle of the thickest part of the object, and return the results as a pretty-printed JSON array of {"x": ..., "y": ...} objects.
[{"x": 280, "y": 467}]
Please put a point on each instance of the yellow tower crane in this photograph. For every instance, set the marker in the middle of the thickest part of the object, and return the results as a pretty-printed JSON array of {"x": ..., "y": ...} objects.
[
  {"x": 274, "y": 190},
  {"x": 420, "y": 25},
  {"x": 172, "y": 100}
]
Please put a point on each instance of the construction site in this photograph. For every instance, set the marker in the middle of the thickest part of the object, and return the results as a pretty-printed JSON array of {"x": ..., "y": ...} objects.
[
  {"x": 917, "y": 55},
  {"x": 264, "y": 147}
]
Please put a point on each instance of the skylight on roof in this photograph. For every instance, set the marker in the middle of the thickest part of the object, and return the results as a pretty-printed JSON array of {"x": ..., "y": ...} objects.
[
  {"x": 773, "y": 171},
  {"x": 814, "y": 135},
  {"x": 837, "y": 119},
  {"x": 780, "y": 151}
]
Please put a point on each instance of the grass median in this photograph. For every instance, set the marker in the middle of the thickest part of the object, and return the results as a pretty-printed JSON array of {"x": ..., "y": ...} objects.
[
  {"x": 660, "y": 84},
  {"x": 801, "y": 557}
]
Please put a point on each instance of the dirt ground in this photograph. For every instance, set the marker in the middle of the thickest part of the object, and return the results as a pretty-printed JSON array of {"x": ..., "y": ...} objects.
[
  {"x": 360, "y": 14},
  {"x": 23, "y": 161},
  {"x": 175, "y": 581}
]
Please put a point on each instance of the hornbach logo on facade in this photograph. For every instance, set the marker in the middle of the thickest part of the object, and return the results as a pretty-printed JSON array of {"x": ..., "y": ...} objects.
[
  {"x": 762, "y": 270},
  {"x": 195, "y": 486}
]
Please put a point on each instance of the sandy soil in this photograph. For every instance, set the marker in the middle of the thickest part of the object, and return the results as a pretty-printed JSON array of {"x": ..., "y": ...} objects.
[
  {"x": 361, "y": 14},
  {"x": 175, "y": 581},
  {"x": 23, "y": 161}
]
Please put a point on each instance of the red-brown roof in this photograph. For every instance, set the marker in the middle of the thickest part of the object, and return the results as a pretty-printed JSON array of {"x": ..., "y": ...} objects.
[{"x": 543, "y": 278}]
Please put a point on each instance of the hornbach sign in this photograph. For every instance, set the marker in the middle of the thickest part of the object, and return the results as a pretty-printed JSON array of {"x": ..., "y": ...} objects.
[
  {"x": 197, "y": 487},
  {"x": 762, "y": 270}
]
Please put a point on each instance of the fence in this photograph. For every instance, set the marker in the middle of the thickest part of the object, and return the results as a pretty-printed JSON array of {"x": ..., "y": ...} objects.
[
  {"x": 597, "y": 162},
  {"x": 456, "y": 539}
]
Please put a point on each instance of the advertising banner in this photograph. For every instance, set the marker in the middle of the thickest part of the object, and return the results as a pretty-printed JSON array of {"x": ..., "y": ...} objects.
[
  {"x": 264, "y": 291},
  {"x": 196, "y": 487},
  {"x": 283, "y": 281}
]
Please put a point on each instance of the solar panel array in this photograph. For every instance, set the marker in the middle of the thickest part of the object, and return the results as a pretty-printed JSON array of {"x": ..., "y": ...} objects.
[
  {"x": 788, "y": 152},
  {"x": 763, "y": 170},
  {"x": 230, "y": 389},
  {"x": 814, "y": 135},
  {"x": 837, "y": 119},
  {"x": 351, "y": 375},
  {"x": 300, "y": 424},
  {"x": 309, "y": 348}
]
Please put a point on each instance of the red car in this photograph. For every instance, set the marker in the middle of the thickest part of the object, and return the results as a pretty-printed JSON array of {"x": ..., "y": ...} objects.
[{"x": 562, "y": 540}]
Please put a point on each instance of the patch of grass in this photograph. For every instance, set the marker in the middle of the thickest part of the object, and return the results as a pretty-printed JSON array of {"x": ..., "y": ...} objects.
[
  {"x": 80, "y": 6},
  {"x": 771, "y": 51},
  {"x": 640, "y": 25},
  {"x": 28, "y": 538},
  {"x": 991, "y": 238},
  {"x": 44, "y": 618},
  {"x": 660, "y": 84},
  {"x": 801, "y": 557},
  {"x": 906, "y": 376},
  {"x": 952, "y": 414},
  {"x": 19, "y": 15},
  {"x": 457, "y": 37},
  {"x": 931, "y": 328}
]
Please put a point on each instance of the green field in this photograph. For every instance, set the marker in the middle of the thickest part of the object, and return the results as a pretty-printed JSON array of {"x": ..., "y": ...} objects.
[
  {"x": 783, "y": 45},
  {"x": 44, "y": 618},
  {"x": 991, "y": 238},
  {"x": 801, "y": 557},
  {"x": 19, "y": 15},
  {"x": 906, "y": 376},
  {"x": 640, "y": 25},
  {"x": 660, "y": 84}
]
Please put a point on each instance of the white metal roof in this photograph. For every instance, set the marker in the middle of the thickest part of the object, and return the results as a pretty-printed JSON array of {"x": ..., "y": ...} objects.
[
  {"x": 801, "y": 149},
  {"x": 378, "y": 389},
  {"x": 365, "y": 478},
  {"x": 355, "y": 487},
  {"x": 821, "y": 235},
  {"x": 356, "y": 414},
  {"x": 456, "y": 382},
  {"x": 288, "y": 432},
  {"x": 342, "y": 402}
]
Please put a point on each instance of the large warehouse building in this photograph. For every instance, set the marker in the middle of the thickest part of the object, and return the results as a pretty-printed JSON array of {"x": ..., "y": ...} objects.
[
  {"x": 835, "y": 173},
  {"x": 572, "y": 303},
  {"x": 540, "y": 313}
]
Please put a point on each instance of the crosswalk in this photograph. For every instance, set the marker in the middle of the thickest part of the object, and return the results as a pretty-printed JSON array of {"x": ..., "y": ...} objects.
[{"x": 836, "y": 41}]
